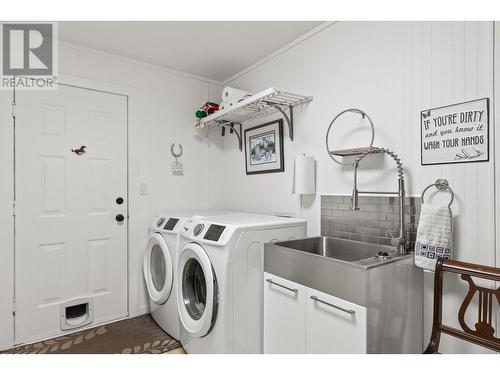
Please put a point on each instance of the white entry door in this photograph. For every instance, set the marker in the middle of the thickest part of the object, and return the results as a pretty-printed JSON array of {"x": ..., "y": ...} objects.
[{"x": 71, "y": 243}]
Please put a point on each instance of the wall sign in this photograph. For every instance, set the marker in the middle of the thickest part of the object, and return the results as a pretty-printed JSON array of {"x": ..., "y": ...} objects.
[{"x": 457, "y": 133}]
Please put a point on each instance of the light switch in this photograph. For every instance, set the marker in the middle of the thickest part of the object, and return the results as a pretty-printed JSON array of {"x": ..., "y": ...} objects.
[{"x": 144, "y": 188}]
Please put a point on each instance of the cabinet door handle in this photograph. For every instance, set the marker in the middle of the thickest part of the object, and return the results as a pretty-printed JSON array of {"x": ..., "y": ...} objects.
[
  {"x": 352, "y": 312},
  {"x": 270, "y": 281}
]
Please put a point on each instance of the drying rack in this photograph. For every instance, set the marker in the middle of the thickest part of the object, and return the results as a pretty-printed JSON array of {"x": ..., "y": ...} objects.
[
  {"x": 441, "y": 184},
  {"x": 264, "y": 103}
]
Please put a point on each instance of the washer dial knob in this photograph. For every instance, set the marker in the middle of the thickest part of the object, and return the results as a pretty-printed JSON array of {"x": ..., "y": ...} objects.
[{"x": 198, "y": 229}]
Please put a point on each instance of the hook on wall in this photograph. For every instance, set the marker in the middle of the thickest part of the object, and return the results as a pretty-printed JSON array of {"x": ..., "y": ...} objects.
[
  {"x": 177, "y": 168},
  {"x": 176, "y": 154}
]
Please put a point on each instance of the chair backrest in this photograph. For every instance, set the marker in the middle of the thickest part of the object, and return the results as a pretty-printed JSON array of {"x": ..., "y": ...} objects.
[{"x": 489, "y": 300}]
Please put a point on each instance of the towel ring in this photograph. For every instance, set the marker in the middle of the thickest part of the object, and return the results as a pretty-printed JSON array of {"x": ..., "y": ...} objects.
[{"x": 441, "y": 185}]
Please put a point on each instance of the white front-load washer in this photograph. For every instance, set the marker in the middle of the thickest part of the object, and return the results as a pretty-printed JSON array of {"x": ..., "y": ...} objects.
[
  {"x": 219, "y": 276},
  {"x": 160, "y": 266}
]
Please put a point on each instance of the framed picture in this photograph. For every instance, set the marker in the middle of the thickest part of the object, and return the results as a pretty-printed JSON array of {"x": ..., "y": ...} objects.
[{"x": 264, "y": 148}]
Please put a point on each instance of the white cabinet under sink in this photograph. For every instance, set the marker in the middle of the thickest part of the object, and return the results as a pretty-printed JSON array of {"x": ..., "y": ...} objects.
[
  {"x": 284, "y": 317},
  {"x": 298, "y": 319},
  {"x": 333, "y": 325}
]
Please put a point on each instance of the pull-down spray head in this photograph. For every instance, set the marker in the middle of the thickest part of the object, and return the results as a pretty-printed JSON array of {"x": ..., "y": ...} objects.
[
  {"x": 355, "y": 192},
  {"x": 355, "y": 200},
  {"x": 400, "y": 241}
]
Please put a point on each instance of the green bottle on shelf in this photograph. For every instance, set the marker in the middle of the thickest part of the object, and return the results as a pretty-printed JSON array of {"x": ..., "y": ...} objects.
[{"x": 200, "y": 114}]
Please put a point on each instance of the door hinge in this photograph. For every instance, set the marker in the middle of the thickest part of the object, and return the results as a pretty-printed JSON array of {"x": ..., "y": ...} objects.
[
  {"x": 14, "y": 209},
  {"x": 14, "y": 109},
  {"x": 14, "y": 308}
]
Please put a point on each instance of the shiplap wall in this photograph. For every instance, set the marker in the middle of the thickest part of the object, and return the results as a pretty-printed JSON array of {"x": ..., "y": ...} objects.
[{"x": 392, "y": 70}]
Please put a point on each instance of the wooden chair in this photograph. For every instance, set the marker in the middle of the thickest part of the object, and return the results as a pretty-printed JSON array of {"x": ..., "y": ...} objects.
[{"x": 484, "y": 333}]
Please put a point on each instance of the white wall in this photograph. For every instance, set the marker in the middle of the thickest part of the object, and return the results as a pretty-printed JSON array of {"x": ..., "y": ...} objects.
[
  {"x": 496, "y": 116},
  {"x": 163, "y": 109},
  {"x": 392, "y": 70},
  {"x": 6, "y": 222}
]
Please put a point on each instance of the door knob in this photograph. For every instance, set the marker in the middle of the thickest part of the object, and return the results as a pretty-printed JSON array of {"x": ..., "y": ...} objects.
[
  {"x": 120, "y": 218},
  {"x": 119, "y": 200}
]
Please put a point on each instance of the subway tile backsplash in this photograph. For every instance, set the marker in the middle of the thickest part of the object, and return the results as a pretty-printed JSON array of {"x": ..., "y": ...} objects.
[{"x": 376, "y": 213}]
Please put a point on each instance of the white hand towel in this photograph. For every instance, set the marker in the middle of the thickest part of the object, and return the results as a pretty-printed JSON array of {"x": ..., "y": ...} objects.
[{"x": 434, "y": 236}]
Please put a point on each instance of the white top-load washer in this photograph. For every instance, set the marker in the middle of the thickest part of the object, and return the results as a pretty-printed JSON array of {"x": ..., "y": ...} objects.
[
  {"x": 220, "y": 289},
  {"x": 160, "y": 266}
]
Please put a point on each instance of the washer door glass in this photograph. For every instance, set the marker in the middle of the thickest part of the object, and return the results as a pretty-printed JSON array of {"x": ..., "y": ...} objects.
[
  {"x": 158, "y": 269},
  {"x": 194, "y": 288},
  {"x": 197, "y": 292}
]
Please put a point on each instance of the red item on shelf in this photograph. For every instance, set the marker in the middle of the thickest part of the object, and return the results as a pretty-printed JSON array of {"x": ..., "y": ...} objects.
[{"x": 210, "y": 107}]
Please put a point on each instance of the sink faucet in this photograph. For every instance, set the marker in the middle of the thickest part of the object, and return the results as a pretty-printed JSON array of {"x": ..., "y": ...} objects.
[{"x": 400, "y": 241}]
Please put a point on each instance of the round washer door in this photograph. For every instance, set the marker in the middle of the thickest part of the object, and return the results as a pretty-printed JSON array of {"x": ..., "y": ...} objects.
[
  {"x": 197, "y": 291},
  {"x": 158, "y": 269}
]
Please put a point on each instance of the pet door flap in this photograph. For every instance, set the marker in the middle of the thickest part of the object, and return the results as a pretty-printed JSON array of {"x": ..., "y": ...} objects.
[{"x": 77, "y": 313}]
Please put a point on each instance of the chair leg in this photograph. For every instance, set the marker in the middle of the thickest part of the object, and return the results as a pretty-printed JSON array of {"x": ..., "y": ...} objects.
[
  {"x": 430, "y": 349},
  {"x": 433, "y": 346}
]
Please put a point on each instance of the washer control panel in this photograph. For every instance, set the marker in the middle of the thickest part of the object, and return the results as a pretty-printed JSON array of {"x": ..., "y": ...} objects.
[
  {"x": 198, "y": 229},
  {"x": 171, "y": 223},
  {"x": 214, "y": 232}
]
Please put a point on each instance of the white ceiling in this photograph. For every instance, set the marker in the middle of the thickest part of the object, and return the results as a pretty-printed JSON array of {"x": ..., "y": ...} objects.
[{"x": 214, "y": 50}]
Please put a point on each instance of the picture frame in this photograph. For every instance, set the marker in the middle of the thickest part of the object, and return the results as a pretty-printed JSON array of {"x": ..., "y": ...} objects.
[{"x": 264, "y": 148}]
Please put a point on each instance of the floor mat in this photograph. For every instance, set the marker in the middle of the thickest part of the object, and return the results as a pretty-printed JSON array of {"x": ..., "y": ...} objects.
[{"x": 140, "y": 335}]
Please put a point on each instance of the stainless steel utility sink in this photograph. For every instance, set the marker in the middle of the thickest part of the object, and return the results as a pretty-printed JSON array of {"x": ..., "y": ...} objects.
[
  {"x": 390, "y": 289},
  {"x": 343, "y": 268},
  {"x": 343, "y": 250}
]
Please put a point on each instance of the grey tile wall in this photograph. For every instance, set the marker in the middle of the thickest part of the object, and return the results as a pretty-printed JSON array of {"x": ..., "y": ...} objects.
[{"x": 370, "y": 222}]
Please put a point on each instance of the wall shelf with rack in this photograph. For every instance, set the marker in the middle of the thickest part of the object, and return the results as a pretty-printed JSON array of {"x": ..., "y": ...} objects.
[{"x": 261, "y": 104}]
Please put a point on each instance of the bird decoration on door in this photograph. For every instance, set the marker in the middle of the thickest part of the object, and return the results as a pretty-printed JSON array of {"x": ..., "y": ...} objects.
[{"x": 79, "y": 151}]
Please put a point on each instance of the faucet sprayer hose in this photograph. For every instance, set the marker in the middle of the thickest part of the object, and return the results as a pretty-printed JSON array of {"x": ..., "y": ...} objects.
[{"x": 378, "y": 150}]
